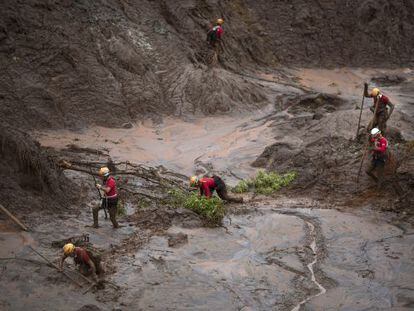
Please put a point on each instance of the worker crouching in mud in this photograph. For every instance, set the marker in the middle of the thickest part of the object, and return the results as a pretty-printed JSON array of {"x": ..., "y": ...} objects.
[
  {"x": 207, "y": 185},
  {"x": 87, "y": 262},
  {"x": 109, "y": 199},
  {"x": 379, "y": 156}
]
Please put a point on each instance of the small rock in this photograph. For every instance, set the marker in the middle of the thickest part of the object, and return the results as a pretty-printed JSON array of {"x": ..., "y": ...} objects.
[
  {"x": 89, "y": 308},
  {"x": 127, "y": 125},
  {"x": 177, "y": 239}
]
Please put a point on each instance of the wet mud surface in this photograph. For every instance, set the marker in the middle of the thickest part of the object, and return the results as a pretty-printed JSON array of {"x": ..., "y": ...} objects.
[
  {"x": 130, "y": 84},
  {"x": 318, "y": 245},
  {"x": 274, "y": 259}
]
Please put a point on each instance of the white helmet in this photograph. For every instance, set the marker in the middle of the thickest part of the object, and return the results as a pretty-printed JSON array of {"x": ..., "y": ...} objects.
[{"x": 375, "y": 131}]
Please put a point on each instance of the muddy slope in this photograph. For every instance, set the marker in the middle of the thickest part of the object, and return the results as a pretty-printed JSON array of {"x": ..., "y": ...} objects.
[
  {"x": 29, "y": 178},
  {"x": 73, "y": 63},
  {"x": 314, "y": 137},
  {"x": 329, "y": 33}
]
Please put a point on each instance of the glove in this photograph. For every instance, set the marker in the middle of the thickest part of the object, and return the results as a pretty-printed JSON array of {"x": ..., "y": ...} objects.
[{"x": 98, "y": 186}]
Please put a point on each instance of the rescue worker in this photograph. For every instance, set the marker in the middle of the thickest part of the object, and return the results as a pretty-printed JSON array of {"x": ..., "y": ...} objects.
[
  {"x": 215, "y": 33},
  {"x": 379, "y": 155},
  {"x": 382, "y": 114},
  {"x": 88, "y": 263},
  {"x": 207, "y": 185},
  {"x": 109, "y": 199}
]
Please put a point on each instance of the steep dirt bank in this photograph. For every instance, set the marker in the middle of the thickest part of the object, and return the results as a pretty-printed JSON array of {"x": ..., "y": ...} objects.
[
  {"x": 332, "y": 33},
  {"x": 29, "y": 178},
  {"x": 316, "y": 137}
]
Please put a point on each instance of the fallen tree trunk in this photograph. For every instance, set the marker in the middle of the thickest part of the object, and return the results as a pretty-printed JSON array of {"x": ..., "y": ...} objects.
[{"x": 56, "y": 267}]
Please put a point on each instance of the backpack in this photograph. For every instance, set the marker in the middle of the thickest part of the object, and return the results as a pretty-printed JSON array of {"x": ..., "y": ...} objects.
[{"x": 212, "y": 34}]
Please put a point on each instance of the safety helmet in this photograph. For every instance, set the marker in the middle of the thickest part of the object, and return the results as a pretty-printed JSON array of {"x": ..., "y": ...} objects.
[
  {"x": 220, "y": 21},
  {"x": 104, "y": 171},
  {"x": 375, "y": 131},
  {"x": 193, "y": 181},
  {"x": 375, "y": 91},
  {"x": 68, "y": 248}
]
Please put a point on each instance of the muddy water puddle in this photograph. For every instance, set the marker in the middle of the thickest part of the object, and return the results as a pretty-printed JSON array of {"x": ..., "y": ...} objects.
[
  {"x": 231, "y": 143},
  {"x": 274, "y": 260}
]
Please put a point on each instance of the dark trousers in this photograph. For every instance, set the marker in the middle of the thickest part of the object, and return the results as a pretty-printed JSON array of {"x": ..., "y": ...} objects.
[
  {"x": 222, "y": 191},
  {"x": 111, "y": 205},
  {"x": 377, "y": 165},
  {"x": 380, "y": 121}
]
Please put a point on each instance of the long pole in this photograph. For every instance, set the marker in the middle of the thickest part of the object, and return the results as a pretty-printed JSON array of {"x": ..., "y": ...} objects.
[
  {"x": 56, "y": 267},
  {"x": 362, "y": 161},
  {"x": 360, "y": 114},
  {"x": 99, "y": 192},
  {"x": 367, "y": 144}
]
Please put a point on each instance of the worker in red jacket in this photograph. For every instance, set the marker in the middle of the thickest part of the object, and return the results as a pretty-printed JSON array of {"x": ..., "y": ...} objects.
[
  {"x": 381, "y": 104},
  {"x": 379, "y": 155},
  {"x": 215, "y": 33},
  {"x": 207, "y": 185},
  {"x": 109, "y": 199}
]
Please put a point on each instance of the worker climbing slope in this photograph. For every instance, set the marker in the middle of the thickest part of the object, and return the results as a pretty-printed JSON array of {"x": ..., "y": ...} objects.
[
  {"x": 380, "y": 109},
  {"x": 215, "y": 33},
  {"x": 207, "y": 185},
  {"x": 88, "y": 262},
  {"x": 379, "y": 156},
  {"x": 109, "y": 199}
]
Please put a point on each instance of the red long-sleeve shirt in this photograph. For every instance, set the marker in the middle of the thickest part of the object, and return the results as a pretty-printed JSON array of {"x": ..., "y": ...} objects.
[
  {"x": 207, "y": 185},
  {"x": 381, "y": 145},
  {"x": 110, "y": 182},
  {"x": 219, "y": 31},
  {"x": 81, "y": 255},
  {"x": 383, "y": 102}
]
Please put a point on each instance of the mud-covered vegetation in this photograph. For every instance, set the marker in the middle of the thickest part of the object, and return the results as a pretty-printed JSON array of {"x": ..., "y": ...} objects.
[
  {"x": 211, "y": 209},
  {"x": 265, "y": 182}
]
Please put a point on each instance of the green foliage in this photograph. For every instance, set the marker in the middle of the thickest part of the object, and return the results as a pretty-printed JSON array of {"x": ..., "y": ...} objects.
[
  {"x": 212, "y": 210},
  {"x": 242, "y": 187},
  {"x": 265, "y": 183}
]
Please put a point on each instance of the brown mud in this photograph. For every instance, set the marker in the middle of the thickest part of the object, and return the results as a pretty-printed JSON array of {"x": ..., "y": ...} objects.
[
  {"x": 130, "y": 84},
  {"x": 319, "y": 244}
]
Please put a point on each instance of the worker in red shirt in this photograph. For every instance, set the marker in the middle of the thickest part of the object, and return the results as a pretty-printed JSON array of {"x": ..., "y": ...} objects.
[
  {"x": 207, "y": 185},
  {"x": 88, "y": 263},
  {"x": 379, "y": 155},
  {"x": 215, "y": 33},
  {"x": 109, "y": 198},
  {"x": 382, "y": 114}
]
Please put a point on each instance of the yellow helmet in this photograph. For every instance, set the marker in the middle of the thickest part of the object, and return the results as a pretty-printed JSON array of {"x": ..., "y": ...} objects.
[
  {"x": 193, "y": 181},
  {"x": 104, "y": 171},
  {"x": 375, "y": 92},
  {"x": 220, "y": 21},
  {"x": 68, "y": 248}
]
